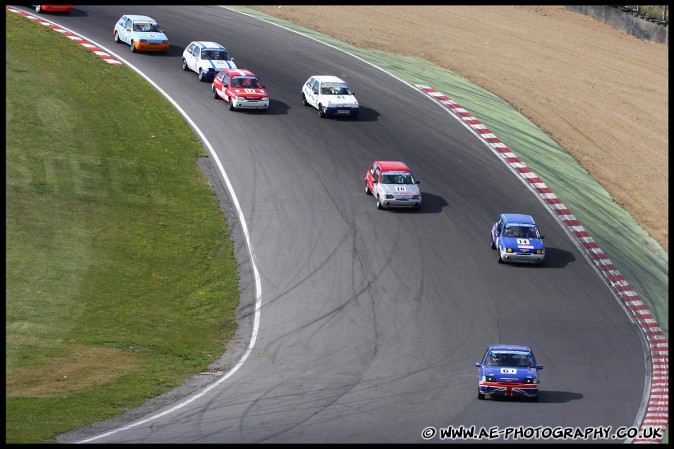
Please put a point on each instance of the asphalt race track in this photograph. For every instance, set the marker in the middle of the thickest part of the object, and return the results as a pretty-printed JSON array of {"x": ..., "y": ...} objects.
[{"x": 372, "y": 321}]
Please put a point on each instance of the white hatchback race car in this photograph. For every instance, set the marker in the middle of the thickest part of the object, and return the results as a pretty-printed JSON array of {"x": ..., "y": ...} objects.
[
  {"x": 206, "y": 59},
  {"x": 330, "y": 95}
]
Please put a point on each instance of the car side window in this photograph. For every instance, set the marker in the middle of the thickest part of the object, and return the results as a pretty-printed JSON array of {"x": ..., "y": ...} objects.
[
  {"x": 196, "y": 52},
  {"x": 128, "y": 24},
  {"x": 221, "y": 76},
  {"x": 225, "y": 79},
  {"x": 376, "y": 174},
  {"x": 190, "y": 48}
]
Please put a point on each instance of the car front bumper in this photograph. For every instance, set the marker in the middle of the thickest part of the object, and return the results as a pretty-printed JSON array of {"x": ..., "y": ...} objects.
[
  {"x": 508, "y": 389},
  {"x": 336, "y": 111},
  {"x": 250, "y": 104},
  {"x": 400, "y": 202},
  {"x": 522, "y": 257},
  {"x": 149, "y": 46}
]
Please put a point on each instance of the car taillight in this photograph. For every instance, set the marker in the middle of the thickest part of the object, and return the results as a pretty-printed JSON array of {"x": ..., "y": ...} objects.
[{"x": 143, "y": 41}]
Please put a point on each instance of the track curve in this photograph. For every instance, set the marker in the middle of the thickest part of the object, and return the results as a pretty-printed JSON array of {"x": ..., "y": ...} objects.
[{"x": 371, "y": 321}]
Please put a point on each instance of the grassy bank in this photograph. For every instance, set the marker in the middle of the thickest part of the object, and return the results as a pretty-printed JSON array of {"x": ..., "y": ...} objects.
[{"x": 121, "y": 281}]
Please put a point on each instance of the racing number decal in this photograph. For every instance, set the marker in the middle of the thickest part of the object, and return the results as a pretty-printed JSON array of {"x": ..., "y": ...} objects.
[
  {"x": 522, "y": 241},
  {"x": 401, "y": 189},
  {"x": 249, "y": 91},
  {"x": 508, "y": 371}
]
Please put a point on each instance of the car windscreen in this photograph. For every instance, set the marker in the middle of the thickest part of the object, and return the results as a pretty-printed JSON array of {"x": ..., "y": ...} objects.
[
  {"x": 521, "y": 231},
  {"x": 245, "y": 81},
  {"x": 335, "y": 89},
  {"x": 397, "y": 178},
  {"x": 145, "y": 27},
  {"x": 517, "y": 359},
  {"x": 215, "y": 55}
]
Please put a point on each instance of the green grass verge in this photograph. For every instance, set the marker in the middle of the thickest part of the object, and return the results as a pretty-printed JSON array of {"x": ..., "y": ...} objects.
[{"x": 120, "y": 276}]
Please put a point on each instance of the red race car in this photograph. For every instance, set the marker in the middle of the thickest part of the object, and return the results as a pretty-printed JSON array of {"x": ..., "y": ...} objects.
[
  {"x": 241, "y": 89},
  {"x": 53, "y": 8}
]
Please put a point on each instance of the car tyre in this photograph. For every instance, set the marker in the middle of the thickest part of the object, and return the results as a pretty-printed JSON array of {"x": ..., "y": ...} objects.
[
  {"x": 500, "y": 260},
  {"x": 201, "y": 76},
  {"x": 231, "y": 104},
  {"x": 133, "y": 47},
  {"x": 321, "y": 112},
  {"x": 215, "y": 93},
  {"x": 480, "y": 396},
  {"x": 185, "y": 65},
  {"x": 117, "y": 40},
  {"x": 304, "y": 100},
  {"x": 38, "y": 8},
  {"x": 492, "y": 242},
  {"x": 367, "y": 189},
  {"x": 379, "y": 205},
  {"x": 534, "y": 399}
]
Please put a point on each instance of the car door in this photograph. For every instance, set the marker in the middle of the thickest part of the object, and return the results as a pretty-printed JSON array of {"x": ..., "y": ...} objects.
[
  {"x": 194, "y": 58},
  {"x": 369, "y": 177},
  {"x": 312, "y": 92},
  {"x": 188, "y": 55},
  {"x": 498, "y": 229},
  {"x": 125, "y": 33},
  {"x": 218, "y": 83}
]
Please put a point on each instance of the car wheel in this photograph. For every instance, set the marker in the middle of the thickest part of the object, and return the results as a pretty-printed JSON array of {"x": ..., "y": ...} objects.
[
  {"x": 133, "y": 47},
  {"x": 321, "y": 112},
  {"x": 215, "y": 93},
  {"x": 492, "y": 243},
  {"x": 379, "y": 206},
  {"x": 201, "y": 75},
  {"x": 231, "y": 104},
  {"x": 480, "y": 396},
  {"x": 38, "y": 8},
  {"x": 498, "y": 250},
  {"x": 367, "y": 190},
  {"x": 534, "y": 399},
  {"x": 185, "y": 65},
  {"x": 117, "y": 40},
  {"x": 304, "y": 100}
]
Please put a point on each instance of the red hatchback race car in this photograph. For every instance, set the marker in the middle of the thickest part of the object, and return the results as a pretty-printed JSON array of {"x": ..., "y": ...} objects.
[
  {"x": 392, "y": 184},
  {"x": 241, "y": 89}
]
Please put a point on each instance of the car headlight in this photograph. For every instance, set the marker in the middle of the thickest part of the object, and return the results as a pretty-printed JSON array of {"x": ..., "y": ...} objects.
[
  {"x": 509, "y": 250},
  {"x": 539, "y": 251},
  {"x": 265, "y": 98},
  {"x": 490, "y": 378},
  {"x": 164, "y": 42},
  {"x": 415, "y": 197},
  {"x": 389, "y": 196}
]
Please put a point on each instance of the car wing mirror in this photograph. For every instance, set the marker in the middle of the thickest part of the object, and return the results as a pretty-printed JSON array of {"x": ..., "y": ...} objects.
[
  {"x": 478, "y": 364},
  {"x": 542, "y": 236},
  {"x": 417, "y": 182},
  {"x": 539, "y": 367}
]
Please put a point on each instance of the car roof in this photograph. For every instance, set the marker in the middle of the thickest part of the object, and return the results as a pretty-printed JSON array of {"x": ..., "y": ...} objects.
[
  {"x": 239, "y": 72},
  {"x": 328, "y": 79},
  {"x": 209, "y": 45},
  {"x": 393, "y": 166},
  {"x": 139, "y": 18},
  {"x": 518, "y": 219},
  {"x": 509, "y": 348}
]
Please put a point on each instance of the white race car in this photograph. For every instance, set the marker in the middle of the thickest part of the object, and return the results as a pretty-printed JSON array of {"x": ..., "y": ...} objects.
[
  {"x": 206, "y": 59},
  {"x": 330, "y": 95}
]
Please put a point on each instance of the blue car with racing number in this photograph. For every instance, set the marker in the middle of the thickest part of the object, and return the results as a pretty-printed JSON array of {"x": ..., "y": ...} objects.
[
  {"x": 508, "y": 371},
  {"x": 517, "y": 239}
]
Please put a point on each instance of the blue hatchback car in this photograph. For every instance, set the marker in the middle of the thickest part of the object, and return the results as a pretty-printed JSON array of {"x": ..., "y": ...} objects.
[
  {"x": 516, "y": 238},
  {"x": 508, "y": 371}
]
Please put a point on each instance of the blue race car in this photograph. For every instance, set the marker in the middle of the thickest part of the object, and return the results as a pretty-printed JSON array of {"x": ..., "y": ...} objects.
[
  {"x": 516, "y": 238},
  {"x": 508, "y": 371}
]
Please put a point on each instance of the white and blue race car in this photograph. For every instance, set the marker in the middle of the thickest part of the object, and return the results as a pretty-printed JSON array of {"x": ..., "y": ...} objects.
[
  {"x": 516, "y": 239},
  {"x": 206, "y": 59},
  {"x": 508, "y": 371},
  {"x": 142, "y": 33},
  {"x": 331, "y": 96}
]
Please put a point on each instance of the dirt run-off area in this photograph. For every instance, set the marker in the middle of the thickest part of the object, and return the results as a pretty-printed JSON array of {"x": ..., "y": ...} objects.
[{"x": 601, "y": 94}]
